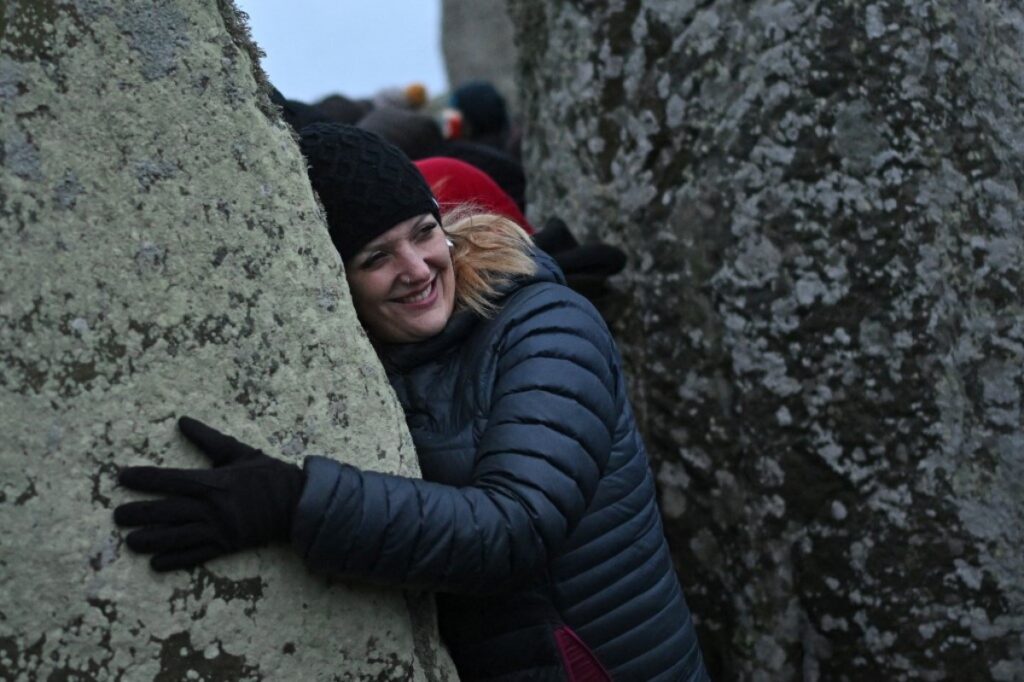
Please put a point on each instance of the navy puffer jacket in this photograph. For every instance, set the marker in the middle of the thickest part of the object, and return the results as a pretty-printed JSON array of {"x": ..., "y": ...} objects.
[{"x": 537, "y": 504}]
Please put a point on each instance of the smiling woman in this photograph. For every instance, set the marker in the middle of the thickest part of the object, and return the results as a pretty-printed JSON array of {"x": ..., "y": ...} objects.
[
  {"x": 403, "y": 284},
  {"x": 535, "y": 522}
]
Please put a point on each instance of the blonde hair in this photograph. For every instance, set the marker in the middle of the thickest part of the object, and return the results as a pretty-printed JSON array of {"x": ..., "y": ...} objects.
[{"x": 489, "y": 252}]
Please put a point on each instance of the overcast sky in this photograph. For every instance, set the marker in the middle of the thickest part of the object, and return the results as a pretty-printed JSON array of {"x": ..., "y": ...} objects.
[{"x": 316, "y": 47}]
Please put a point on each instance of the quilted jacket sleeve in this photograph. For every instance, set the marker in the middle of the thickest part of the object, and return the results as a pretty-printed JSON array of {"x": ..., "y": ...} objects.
[{"x": 547, "y": 439}]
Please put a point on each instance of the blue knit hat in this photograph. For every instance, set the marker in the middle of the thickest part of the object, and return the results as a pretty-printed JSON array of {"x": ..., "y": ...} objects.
[{"x": 482, "y": 107}]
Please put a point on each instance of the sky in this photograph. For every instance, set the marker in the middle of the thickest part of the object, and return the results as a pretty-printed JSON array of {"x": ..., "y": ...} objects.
[{"x": 318, "y": 47}]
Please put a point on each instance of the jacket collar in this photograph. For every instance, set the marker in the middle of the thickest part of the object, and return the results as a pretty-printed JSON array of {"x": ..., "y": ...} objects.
[{"x": 401, "y": 357}]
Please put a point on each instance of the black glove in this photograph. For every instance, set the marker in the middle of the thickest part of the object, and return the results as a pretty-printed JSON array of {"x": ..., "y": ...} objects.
[
  {"x": 586, "y": 266},
  {"x": 246, "y": 500}
]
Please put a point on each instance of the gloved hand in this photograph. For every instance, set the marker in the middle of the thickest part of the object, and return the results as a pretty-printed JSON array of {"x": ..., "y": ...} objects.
[
  {"x": 246, "y": 500},
  {"x": 586, "y": 266}
]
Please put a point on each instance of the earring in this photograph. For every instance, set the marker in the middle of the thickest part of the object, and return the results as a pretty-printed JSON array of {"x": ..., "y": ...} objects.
[{"x": 450, "y": 243}]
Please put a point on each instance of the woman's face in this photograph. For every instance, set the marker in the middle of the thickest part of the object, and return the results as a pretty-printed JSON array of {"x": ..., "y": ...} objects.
[{"x": 402, "y": 282}]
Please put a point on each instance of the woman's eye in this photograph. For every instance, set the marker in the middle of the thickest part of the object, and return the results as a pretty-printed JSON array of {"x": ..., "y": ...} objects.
[
  {"x": 371, "y": 261},
  {"x": 427, "y": 230}
]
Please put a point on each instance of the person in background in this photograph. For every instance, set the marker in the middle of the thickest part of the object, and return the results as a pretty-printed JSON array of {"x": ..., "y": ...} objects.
[
  {"x": 535, "y": 522},
  {"x": 485, "y": 117},
  {"x": 295, "y": 113},
  {"x": 338, "y": 108},
  {"x": 501, "y": 167},
  {"x": 413, "y": 97},
  {"x": 456, "y": 183},
  {"x": 415, "y": 133},
  {"x": 586, "y": 267}
]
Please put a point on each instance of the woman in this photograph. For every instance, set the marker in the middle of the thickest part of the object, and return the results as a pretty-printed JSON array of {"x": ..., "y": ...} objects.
[{"x": 535, "y": 521}]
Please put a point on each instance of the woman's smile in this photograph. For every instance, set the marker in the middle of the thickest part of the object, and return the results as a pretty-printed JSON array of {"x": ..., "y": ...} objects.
[{"x": 423, "y": 298}]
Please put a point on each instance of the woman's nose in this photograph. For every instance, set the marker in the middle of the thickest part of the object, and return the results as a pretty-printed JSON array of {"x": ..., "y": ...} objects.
[{"x": 414, "y": 267}]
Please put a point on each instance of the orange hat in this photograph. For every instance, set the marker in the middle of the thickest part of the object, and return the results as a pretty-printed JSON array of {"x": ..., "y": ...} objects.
[{"x": 416, "y": 95}]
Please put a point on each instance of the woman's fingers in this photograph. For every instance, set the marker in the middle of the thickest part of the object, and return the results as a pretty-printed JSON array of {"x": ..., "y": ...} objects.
[
  {"x": 162, "y": 539},
  {"x": 186, "y": 558},
  {"x": 220, "y": 448},
  {"x": 167, "y": 481},
  {"x": 159, "y": 512}
]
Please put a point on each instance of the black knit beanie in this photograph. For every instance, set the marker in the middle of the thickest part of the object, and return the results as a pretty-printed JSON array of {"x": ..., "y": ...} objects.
[{"x": 366, "y": 185}]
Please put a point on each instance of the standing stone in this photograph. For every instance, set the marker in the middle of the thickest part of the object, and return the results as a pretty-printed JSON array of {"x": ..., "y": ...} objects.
[
  {"x": 477, "y": 42},
  {"x": 823, "y": 316},
  {"x": 163, "y": 254}
]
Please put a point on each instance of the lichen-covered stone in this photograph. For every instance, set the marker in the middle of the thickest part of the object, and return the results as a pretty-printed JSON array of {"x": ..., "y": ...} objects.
[
  {"x": 163, "y": 254},
  {"x": 823, "y": 313}
]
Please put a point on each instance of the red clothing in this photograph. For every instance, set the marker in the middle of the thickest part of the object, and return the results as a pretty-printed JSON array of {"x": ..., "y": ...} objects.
[
  {"x": 580, "y": 663},
  {"x": 456, "y": 182}
]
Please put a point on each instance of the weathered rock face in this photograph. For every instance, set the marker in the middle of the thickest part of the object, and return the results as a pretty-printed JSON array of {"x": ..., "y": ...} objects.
[
  {"x": 477, "y": 41},
  {"x": 823, "y": 318},
  {"x": 163, "y": 254}
]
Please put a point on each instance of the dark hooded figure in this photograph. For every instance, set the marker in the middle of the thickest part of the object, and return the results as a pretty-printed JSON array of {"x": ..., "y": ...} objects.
[
  {"x": 416, "y": 134},
  {"x": 535, "y": 522},
  {"x": 340, "y": 109},
  {"x": 484, "y": 114},
  {"x": 295, "y": 113}
]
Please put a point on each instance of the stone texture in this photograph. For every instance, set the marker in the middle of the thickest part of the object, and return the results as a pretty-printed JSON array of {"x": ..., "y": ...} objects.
[
  {"x": 823, "y": 314},
  {"x": 477, "y": 42},
  {"x": 163, "y": 254}
]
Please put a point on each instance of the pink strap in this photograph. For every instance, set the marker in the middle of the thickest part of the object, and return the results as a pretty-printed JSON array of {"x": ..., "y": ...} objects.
[{"x": 580, "y": 663}]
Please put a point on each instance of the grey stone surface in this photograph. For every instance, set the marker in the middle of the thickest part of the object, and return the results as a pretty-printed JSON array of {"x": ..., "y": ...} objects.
[
  {"x": 477, "y": 42},
  {"x": 163, "y": 254},
  {"x": 823, "y": 314}
]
